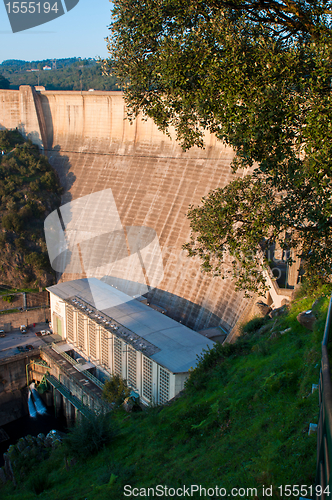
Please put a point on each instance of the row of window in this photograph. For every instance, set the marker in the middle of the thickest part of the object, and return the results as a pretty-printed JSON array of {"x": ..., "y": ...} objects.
[{"x": 112, "y": 347}]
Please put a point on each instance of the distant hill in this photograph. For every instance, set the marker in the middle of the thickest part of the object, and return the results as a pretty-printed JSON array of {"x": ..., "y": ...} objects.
[{"x": 66, "y": 74}]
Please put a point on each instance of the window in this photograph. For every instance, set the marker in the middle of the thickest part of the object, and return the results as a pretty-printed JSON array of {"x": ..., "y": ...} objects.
[
  {"x": 132, "y": 377},
  {"x": 147, "y": 378},
  {"x": 80, "y": 330},
  {"x": 92, "y": 339},
  {"x": 117, "y": 357},
  {"x": 104, "y": 348},
  {"x": 163, "y": 386},
  {"x": 70, "y": 323}
]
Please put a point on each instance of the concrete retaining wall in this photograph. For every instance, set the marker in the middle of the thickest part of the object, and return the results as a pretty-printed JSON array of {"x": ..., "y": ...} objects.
[
  {"x": 13, "y": 396},
  {"x": 24, "y": 318}
]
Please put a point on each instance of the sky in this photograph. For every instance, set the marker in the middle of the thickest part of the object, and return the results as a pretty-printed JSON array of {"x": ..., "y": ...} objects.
[{"x": 78, "y": 33}]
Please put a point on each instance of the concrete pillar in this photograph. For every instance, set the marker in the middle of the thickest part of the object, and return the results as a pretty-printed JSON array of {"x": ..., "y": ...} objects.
[
  {"x": 29, "y": 125},
  {"x": 155, "y": 382},
  {"x": 69, "y": 411},
  {"x": 58, "y": 402},
  {"x": 293, "y": 270},
  {"x": 49, "y": 398},
  {"x": 78, "y": 416}
]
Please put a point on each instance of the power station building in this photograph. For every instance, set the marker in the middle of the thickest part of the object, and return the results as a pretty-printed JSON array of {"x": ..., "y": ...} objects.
[{"x": 121, "y": 335}]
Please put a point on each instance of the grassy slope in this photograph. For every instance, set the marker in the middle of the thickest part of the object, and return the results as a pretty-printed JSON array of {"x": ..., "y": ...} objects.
[{"x": 242, "y": 422}]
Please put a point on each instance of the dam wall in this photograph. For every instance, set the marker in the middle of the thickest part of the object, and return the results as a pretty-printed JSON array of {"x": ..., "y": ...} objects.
[
  {"x": 92, "y": 146},
  {"x": 13, "y": 380}
]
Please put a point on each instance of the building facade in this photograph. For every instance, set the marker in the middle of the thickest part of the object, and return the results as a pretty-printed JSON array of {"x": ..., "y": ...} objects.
[{"x": 122, "y": 336}]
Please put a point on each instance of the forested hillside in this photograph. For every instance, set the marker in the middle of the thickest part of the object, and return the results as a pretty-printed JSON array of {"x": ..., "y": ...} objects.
[
  {"x": 29, "y": 191},
  {"x": 69, "y": 74}
]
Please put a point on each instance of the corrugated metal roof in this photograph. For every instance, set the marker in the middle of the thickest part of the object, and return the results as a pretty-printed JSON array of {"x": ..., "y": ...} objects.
[{"x": 178, "y": 344}]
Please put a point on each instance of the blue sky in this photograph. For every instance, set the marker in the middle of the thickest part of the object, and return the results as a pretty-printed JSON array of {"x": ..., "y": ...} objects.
[{"x": 78, "y": 33}]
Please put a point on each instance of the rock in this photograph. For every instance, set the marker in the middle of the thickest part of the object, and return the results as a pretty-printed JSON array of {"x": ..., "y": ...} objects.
[
  {"x": 12, "y": 451},
  {"x": 264, "y": 329},
  {"x": 3, "y": 478},
  {"x": 26, "y": 452},
  {"x": 307, "y": 319},
  {"x": 30, "y": 439},
  {"x": 40, "y": 442},
  {"x": 53, "y": 438},
  {"x": 261, "y": 309},
  {"x": 279, "y": 311},
  {"x": 315, "y": 304},
  {"x": 128, "y": 405},
  {"x": 8, "y": 468},
  {"x": 21, "y": 444}
]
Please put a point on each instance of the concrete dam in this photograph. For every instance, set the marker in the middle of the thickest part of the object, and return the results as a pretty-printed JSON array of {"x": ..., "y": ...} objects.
[{"x": 93, "y": 147}]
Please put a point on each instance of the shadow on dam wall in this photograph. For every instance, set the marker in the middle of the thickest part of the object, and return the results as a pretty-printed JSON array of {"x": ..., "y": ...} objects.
[
  {"x": 175, "y": 306},
  {"x": 93, "y": 147}
]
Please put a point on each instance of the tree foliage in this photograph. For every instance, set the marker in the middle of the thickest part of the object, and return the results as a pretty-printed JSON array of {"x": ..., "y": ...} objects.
[
  {"x": 4, "y": 83},
  {"x": 258, "y": 75},
  {"x": 29, "y": 191},
  {"x": 70, "y": 74},
  {"x": 90, "y": 435},
  {"x": 115, "y": 390}
]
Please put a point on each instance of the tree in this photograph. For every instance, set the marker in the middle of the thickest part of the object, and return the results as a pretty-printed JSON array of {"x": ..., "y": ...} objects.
[
  {"x": 258, "y": 75},
  {"x": 90, "y": 435},
  {"x": 115, "y": 390},
  {"x": 4, "y": 83}
]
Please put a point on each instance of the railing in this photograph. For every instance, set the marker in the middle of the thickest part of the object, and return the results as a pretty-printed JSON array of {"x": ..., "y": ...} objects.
[
  {"x": 93, "y": 379},
  {"x": 324, "y": 431},
  {"x": 72, "y": 361},
  {"x": 64, "y": 369},
  {"x": 73, "y": 399}
]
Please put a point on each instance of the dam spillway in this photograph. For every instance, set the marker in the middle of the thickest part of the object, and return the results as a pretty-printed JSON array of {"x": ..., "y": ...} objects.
[{"x": 93, "y": 147}]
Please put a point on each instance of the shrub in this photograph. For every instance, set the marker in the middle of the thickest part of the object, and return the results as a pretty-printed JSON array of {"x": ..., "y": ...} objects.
[
  {"x": 115, "y": 390},
  {"x": 12, "y": 222},
  {"x": 37, "y": 260},
  {"x": 49, "y": 181},
  {"x": 3, "y": 240},
  {"x": 39, "y": 483},
  {"x": 89, "y": 436},
  {"x": 254, "y": 325},
  {"x": 8, "y": 298}
]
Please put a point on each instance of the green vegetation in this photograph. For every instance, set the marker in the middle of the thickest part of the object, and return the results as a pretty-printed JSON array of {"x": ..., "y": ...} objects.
[
  {"x": 29, "y": 191},
  {"x": 258, "y": 76},
  {"x": 115, "y": 390},
  {"x": 242, "y": 422},
  {"x": 70, "y": 74},
  {"x": 89, "y": 436},
  {"x": 4, "y": 83}
]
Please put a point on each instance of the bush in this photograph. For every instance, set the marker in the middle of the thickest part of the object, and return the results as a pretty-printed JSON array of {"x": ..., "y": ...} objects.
[
  {"x": 12, "y": 222},
  {"x": 49, "y": 181},
  {"x": 116, "y": 390},
  {"x": 8, "y": 298},
  {"x": 89, "y": 436},
  {"x": 254, "y": 324},
  {"x": 37, "y": 260},
  {"x": 39, "y": 483}
]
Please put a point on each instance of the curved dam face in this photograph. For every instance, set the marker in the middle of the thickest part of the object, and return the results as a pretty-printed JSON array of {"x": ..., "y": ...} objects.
[{"x": 93, "y": 147}]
